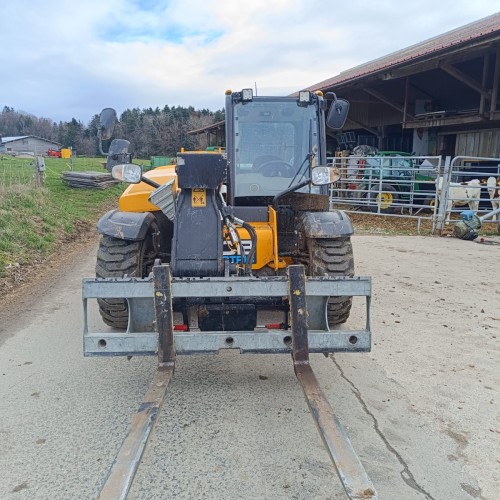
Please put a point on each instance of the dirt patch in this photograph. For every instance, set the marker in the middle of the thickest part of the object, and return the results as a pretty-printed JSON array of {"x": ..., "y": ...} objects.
[
  {"x": 30, "y": 280},
  {"x": 20, "y": 274},
  {"x": 380, "y": 224}
]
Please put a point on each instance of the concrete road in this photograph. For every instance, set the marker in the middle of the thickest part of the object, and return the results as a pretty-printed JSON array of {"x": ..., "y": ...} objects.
[{"x": 421, "y": 409}]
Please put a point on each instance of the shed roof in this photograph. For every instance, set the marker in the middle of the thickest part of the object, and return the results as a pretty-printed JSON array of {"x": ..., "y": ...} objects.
[
  {"x": 14, "y": 138},
  {"x": 451, "y": 39},
  {"x": 20, "y": 137},
  {"x": 209, "y": 128}
]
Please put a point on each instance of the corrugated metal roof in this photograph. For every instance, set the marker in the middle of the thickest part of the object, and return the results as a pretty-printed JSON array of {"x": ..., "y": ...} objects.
[
  {"x": 19, "y": 137},
  {"x": 212, "y": 127},
  {"x": 470, "y": 32},
  {"x": 14, "y": 138}
]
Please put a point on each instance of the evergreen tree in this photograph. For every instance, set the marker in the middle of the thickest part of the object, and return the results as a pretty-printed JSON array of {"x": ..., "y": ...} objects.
[{"x": 151, "y": 132}]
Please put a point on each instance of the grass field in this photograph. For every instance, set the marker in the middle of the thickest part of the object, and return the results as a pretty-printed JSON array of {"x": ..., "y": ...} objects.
[{"x": 33, "y": 220}]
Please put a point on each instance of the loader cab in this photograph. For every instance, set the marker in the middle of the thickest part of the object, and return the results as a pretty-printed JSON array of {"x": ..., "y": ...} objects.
[{"x": 272, "y": 144}]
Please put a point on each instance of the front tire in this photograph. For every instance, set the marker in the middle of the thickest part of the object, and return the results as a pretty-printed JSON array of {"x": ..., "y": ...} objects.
[
  {"x": 117, "y": 258},
  {"x": 333, "y": 257}
]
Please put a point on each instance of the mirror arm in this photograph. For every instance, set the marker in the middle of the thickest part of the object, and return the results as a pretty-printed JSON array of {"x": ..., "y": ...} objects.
[
  {"x": 100, "y": 145},
  {"x": 290, "y": 190},
  {"x": 150, "y": 182}
]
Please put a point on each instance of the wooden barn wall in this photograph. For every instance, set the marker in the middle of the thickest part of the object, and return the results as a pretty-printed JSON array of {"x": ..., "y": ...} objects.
[{"x": 485, "y": 143}]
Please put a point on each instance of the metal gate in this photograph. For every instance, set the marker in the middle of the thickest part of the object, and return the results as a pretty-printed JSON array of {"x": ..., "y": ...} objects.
[
  {"x": 415, "y": 187},
  {"x": 471, "y": 183}
]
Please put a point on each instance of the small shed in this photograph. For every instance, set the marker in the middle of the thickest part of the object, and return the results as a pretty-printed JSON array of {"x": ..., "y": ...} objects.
[{"x": 27, "y": 144}]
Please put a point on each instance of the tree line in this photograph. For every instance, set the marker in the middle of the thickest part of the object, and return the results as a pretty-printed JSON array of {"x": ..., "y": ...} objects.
[{"x": 151, "y": 132}]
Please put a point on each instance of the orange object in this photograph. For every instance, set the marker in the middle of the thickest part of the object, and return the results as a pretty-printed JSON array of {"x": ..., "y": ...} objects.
[
  {"x": 54, "y": 152},
  {"x": 275, "y": 326}
]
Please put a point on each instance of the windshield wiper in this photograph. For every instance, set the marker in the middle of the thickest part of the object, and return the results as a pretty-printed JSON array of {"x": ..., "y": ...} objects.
[
  {"x": 309, "y": 156},
  {"x": 307, "y": 161}
]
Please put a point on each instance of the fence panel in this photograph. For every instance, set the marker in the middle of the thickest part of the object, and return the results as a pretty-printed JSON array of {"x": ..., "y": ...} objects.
[
  {"x": 419, "y": 187},
  {"x": 16, "y": 172},
  {"x": 470, "y": 183},
  {"x": 396, "y": 185}
]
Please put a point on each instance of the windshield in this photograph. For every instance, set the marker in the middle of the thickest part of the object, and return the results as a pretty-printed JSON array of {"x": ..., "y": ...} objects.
[
  {"x": 273, "y": 141},
  {"x": 391, "y": 167}
]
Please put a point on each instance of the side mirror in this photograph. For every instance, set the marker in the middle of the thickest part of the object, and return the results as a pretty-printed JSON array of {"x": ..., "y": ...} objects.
[
  {"x": 337, "y": 115},
  {"x": 107, "y": 120},
  {"x": 119, "y": 146},
  {"x": 118, "y": 153}
]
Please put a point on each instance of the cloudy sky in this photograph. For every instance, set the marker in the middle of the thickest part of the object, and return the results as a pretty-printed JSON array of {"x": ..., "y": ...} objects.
[{"x": 61, "y": 59}]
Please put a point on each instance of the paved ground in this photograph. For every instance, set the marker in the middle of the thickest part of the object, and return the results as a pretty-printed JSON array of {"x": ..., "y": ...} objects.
[{"x": 421, "y": 409}]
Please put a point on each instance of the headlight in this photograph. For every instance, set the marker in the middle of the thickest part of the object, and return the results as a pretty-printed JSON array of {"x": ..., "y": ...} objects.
[
  {"x": 127, "y": 172},
  {"x": 304, "y": 97},
  {"x": 324, "y": 175},
  {"x": 246, "y": 94}
]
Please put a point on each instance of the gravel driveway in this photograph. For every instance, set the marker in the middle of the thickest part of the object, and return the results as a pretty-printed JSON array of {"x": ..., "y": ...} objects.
[{"x": 421, "y": 409}]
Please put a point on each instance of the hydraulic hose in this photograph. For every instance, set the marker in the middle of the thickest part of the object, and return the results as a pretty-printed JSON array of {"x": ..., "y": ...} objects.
[
  {"x": 228, "y": 219},
  {"x": 251, "y": 254}
]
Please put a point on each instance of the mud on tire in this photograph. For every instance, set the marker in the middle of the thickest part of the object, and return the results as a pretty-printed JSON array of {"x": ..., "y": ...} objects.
[
  {"x": 333, "y": 257},
  {"x": 115, "y": 259}
]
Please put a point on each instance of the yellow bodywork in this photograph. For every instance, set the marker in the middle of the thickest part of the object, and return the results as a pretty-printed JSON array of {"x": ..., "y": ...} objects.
[
  {"x": 136, "y": 199},
  {"x": 267, "y": 243}
]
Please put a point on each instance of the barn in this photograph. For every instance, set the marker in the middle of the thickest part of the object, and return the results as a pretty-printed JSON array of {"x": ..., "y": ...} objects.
[
  {"x": 438, "y": 97},
  {"x": 27, "y": 144}
]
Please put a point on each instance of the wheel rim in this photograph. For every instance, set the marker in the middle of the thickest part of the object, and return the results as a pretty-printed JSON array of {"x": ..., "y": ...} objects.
[{"x": 384, "y": 200}]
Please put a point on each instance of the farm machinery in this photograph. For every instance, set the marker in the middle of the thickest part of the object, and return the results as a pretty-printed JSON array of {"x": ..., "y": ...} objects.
[
  {"x": 60, "y": 153},
  {"x": 390, "y": 179},
  {"x": 56, "y": 153},
  {"x": 200, "y": 251}
]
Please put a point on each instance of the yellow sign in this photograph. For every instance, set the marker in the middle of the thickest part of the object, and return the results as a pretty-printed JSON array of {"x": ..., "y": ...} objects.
[{"x": 199, "y": 198}]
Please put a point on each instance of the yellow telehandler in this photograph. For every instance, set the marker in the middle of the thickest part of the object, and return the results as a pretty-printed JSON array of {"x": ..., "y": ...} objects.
[{"x": 220, "y": 239}]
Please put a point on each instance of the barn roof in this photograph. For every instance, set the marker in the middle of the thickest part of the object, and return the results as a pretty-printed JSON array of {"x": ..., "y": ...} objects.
[
  {"x": 19, "y": 137},
  {"x": 14, "y": 138},
  {"x": 208, "y": 128},
  {"x": 463, "y": 35}
]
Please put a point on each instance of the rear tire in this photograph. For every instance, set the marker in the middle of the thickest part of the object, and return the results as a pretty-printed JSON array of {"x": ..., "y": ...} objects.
[
  {"x": 430, "y": 204},
  {"x": 387, "y": 196},
  {"x": 117, "y": 258},
  {"x": 361, "y": 197},
  {"x": 333, "y": 257}
]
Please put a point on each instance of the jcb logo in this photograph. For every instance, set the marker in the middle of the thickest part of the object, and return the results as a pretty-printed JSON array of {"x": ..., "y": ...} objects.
[{"x": 232, "y": 256}]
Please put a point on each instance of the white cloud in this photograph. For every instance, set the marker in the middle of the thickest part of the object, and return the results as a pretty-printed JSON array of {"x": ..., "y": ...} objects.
[{"x": 64, "y": 59}]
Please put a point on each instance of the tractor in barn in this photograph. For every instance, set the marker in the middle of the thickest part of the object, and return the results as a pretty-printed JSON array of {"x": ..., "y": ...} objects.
[{"x": 388, "y": 180}]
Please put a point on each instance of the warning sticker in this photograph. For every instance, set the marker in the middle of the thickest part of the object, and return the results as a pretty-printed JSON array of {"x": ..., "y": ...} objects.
[{"x": 199, "y": 198}]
